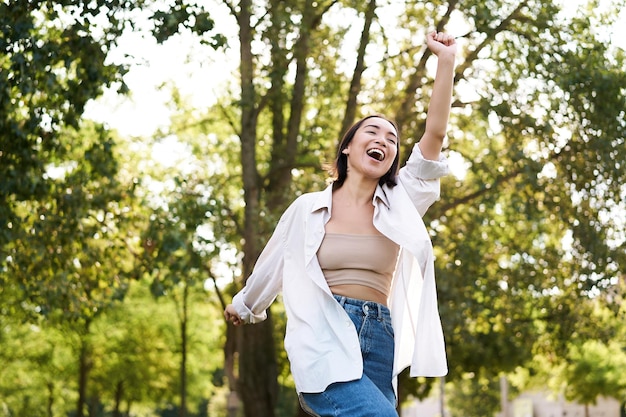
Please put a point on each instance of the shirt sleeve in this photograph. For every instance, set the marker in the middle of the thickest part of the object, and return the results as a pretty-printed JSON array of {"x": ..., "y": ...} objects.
[
  {"x": 265, "y": 282},
  {"x": 420, "y": 178}
]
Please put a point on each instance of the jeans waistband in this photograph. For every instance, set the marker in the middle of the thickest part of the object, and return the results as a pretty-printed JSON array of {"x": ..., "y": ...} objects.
[{"x": 370, "y": 308}]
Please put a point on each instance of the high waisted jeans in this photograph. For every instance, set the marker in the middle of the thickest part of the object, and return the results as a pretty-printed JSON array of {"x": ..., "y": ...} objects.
[{"x": 373, "y": 394}]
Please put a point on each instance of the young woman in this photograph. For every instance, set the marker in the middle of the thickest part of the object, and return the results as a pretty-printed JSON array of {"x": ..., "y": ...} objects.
[{"x": 355, "y": 266}]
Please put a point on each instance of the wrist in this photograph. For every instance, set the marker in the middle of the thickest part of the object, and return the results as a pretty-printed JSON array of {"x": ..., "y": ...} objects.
[{"x": 446, "y": 57}]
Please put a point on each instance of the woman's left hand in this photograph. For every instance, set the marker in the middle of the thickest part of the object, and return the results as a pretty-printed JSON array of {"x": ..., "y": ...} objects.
[{"x": 231, "y": 315}]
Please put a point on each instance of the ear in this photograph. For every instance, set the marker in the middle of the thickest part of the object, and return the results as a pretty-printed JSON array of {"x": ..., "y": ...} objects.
[{"x": 345, "y": 151}]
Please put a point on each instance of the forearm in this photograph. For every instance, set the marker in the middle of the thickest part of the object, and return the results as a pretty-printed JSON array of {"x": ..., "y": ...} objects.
[
  {"x": 441, "y": 98},
  {"x": 264, "y": 284},
  {"x": 444, "y": 47}
]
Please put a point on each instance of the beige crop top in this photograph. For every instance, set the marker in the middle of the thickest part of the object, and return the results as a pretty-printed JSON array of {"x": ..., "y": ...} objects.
[{"x": 368, "y": 260}]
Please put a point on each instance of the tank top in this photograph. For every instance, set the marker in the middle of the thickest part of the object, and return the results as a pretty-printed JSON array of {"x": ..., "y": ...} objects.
[{"x": 368, "y": 260}]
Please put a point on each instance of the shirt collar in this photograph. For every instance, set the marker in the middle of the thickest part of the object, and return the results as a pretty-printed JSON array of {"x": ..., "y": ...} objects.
[
  {"x": 325, "y": 198},
  {"x": 380, "y": 194}
]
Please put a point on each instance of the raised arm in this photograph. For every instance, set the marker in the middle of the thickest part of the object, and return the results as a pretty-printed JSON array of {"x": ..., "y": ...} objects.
[{"x": 444, "y": 47}]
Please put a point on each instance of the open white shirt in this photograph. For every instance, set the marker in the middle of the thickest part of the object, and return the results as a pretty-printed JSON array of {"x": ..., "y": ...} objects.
[{"x": 320, "y": 340}]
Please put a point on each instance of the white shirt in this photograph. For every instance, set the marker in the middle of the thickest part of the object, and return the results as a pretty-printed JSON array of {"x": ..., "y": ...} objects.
[{"x": 320, "y": 340}]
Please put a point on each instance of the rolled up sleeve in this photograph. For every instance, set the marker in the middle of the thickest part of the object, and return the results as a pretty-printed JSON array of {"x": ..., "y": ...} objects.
[
  {"x": 265, "y": 282},
  {"x": 420, "y": 178}
]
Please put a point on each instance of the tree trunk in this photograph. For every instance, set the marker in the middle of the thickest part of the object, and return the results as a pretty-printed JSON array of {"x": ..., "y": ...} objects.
[
  {"x": 84, "y": 365},
  {"x": 182, "y": 412},
  {"x": 285, "y": 147},
  {"x": 230, "y": 350},
  {"x": 258, "y": 373},
  {"x": 257, "y": 362},
  {"x": 119, "y": 393},
  {"x": 50, "y": 399}
]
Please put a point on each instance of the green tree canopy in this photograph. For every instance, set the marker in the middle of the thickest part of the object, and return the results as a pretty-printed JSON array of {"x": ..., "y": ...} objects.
[{"x": 529, "y": 232}]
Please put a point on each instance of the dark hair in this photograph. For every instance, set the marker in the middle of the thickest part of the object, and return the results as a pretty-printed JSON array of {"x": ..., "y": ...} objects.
[{"x": 340, "y": 167}]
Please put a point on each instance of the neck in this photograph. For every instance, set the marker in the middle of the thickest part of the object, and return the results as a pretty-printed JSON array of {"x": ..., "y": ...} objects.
[{"x": 357, "y": 191}]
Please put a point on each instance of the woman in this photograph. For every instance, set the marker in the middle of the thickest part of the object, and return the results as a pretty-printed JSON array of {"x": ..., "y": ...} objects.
[{"x": 355, "y": 266}]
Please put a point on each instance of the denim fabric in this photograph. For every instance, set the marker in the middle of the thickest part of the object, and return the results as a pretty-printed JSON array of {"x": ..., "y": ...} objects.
[{"x": 373, "y": 394}]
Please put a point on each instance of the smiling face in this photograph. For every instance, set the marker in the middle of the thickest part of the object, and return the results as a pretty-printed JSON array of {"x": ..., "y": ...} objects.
[{"x": 373, "y": 149}]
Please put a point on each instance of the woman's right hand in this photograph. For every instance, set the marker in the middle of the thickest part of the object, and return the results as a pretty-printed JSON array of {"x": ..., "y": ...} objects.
[
  {"x": 440, "y": 43},
  {"x": 231, "y": 315}
]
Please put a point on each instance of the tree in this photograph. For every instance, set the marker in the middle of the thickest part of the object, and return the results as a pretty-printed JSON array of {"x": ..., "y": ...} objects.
[
  {"x": 506, "y": 230},
  {"x": 56, "y": 258},
  {"x": 525, "y": 236},
  {"x": 595, "y": 367},
  {"x": 509, "y": 234},
  {"x": 52, "y": 64},
  {"x": 37, "y": 366},
  {"x": 134, "y": 362},
  {"x": 173, "y": 246},
  {"x": 72, "y": 263},
  {"x": 595, "y": 370}
]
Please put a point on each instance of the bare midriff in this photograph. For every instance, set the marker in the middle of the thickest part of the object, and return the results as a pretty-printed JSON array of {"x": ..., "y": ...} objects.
[{"x": 360, "y": 292}]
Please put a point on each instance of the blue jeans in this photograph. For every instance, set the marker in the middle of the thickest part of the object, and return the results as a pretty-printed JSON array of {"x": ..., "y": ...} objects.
[{"x": 373, "y": 394}]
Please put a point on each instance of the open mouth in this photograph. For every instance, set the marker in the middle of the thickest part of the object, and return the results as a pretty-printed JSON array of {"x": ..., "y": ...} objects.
[{"x": 377, "y": 154}]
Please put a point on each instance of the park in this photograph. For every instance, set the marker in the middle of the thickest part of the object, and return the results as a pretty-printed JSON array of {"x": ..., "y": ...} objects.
[{"x": 148, "y": 149}]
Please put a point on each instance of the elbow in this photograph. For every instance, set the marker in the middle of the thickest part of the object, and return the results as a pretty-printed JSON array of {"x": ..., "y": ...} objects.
[
  {"x": 428, "y": 201},
  {"x": 437, "y": 134}
]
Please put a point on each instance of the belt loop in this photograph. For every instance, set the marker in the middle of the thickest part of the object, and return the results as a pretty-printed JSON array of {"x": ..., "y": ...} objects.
[
  {"x": 380, "y": 311},
  {"x": 342, "y": 301}
]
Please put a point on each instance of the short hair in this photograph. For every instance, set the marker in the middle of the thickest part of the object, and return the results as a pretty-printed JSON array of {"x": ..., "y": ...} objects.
[{"x": 340, "y": 167}]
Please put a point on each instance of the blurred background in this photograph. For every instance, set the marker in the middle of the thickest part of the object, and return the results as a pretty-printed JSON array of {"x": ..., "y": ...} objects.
[{"x": 147, "y": 149}]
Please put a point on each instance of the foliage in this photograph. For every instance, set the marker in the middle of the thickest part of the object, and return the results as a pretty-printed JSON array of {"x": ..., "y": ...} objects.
[
  {"x": 599, "y": 370},
  {"x": 133, "y": 362},
  {"x": 61, "y": 261},
  {"x": 474, "y": 395},
  {"x": 37, "y": 370},
  {"x": 517, "y": 236},
  {"x": 174, "y": 245},
  {"x": 180, "y": 15},
  {"x": 53, "y": 62},
  {"x": 528, "y": 233}
]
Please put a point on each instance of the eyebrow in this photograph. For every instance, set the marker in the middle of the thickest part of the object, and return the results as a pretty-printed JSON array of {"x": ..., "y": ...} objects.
[{"x": 378, "y": 127}]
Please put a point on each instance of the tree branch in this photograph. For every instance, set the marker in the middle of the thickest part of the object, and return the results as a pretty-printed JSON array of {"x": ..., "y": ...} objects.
[
  {"x": 359, "y": 68},
  {"x": 220, "y": 296},
  {"x": 490, "y": 36},
  {"x": 231, "y": 7},
  {"x": 415, "y": 80}
]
